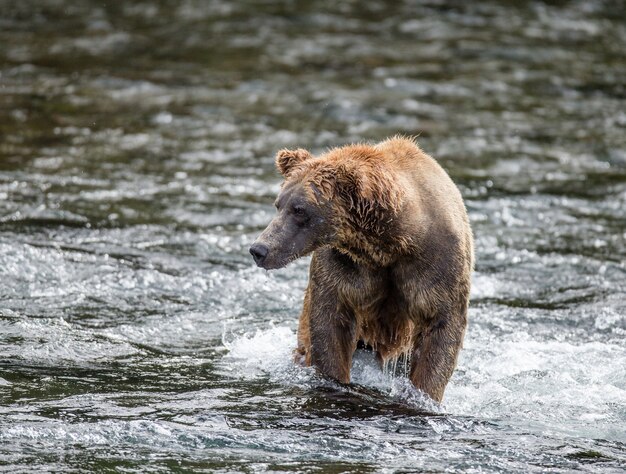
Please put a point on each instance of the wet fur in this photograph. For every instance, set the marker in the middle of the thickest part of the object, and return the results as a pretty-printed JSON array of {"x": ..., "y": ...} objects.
[{"x": 392, "y": 268}]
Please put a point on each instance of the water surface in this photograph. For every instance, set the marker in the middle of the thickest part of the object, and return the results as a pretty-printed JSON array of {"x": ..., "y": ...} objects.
[{"x": 136, "y": 167}]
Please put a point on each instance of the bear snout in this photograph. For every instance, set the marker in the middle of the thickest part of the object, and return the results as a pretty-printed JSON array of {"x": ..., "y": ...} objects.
[{"x": 259, "y": 253}]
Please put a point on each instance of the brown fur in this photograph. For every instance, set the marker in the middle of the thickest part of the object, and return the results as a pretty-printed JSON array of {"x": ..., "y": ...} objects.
[{"x": 392, "y": 258}]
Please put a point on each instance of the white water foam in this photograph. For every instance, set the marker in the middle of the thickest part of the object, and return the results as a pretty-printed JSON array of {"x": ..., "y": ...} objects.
[
  {"x": 557, "y": 387},
  {"x": 554, "y": 387},
  {"x": 269, "y": 352}
]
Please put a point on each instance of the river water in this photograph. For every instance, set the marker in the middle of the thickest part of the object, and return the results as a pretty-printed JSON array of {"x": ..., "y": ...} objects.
[{"x": 136, "y": 167}]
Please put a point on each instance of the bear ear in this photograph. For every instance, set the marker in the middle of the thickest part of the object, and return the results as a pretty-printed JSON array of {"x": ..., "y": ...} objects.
[{"x": 286, "y": 160}]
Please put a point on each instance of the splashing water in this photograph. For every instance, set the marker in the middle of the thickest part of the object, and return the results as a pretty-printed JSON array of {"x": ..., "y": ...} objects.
[
  {"x": 136, "y": 167},
  {"x": 269, "y": 352}
]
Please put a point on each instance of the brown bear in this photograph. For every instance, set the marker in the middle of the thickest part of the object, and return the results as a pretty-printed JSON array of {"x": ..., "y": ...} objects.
[{"x": 392, "y": 257}]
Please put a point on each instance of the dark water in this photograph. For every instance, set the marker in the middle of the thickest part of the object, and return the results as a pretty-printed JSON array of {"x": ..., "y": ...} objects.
[{"x": 136, "y": 166}]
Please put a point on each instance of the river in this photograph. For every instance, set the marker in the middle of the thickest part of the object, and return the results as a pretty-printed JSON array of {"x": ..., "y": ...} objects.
[{"x": 136, "y": 167}]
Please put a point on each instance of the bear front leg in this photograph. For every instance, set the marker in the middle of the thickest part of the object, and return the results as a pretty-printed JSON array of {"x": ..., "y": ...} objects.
[
  {"x": 435, "y": 354},
  {"x": 302, "y": 353},
  {"x": 332, "y": 334}
]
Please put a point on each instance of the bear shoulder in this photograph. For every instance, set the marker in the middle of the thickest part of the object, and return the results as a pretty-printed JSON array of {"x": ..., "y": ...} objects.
[{"x": 400, "y": 150}]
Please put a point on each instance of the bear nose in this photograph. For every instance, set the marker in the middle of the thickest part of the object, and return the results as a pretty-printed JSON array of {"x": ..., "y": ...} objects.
[{"x": 259, "y": 252}]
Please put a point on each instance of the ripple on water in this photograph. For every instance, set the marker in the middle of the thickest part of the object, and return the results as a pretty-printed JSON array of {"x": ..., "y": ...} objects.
[
  {"x": 537, "y": 382},
  {"x": 135, "y": 333}
]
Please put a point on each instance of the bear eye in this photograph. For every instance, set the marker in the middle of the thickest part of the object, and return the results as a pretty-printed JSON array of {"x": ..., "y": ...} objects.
[{"x": 298, "y": 210}]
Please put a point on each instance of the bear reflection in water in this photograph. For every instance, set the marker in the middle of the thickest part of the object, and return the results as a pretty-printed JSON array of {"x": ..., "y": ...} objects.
[{"x": 392, "y": 257}]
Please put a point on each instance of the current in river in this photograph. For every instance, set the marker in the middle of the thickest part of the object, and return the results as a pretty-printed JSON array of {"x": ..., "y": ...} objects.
[{"x": 136, "y": 168}]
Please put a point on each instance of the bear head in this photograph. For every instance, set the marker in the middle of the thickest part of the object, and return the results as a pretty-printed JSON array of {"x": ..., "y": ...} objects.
[
  {"x": 338, "y": 199},
  {"x": 303, "y": 221}
]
